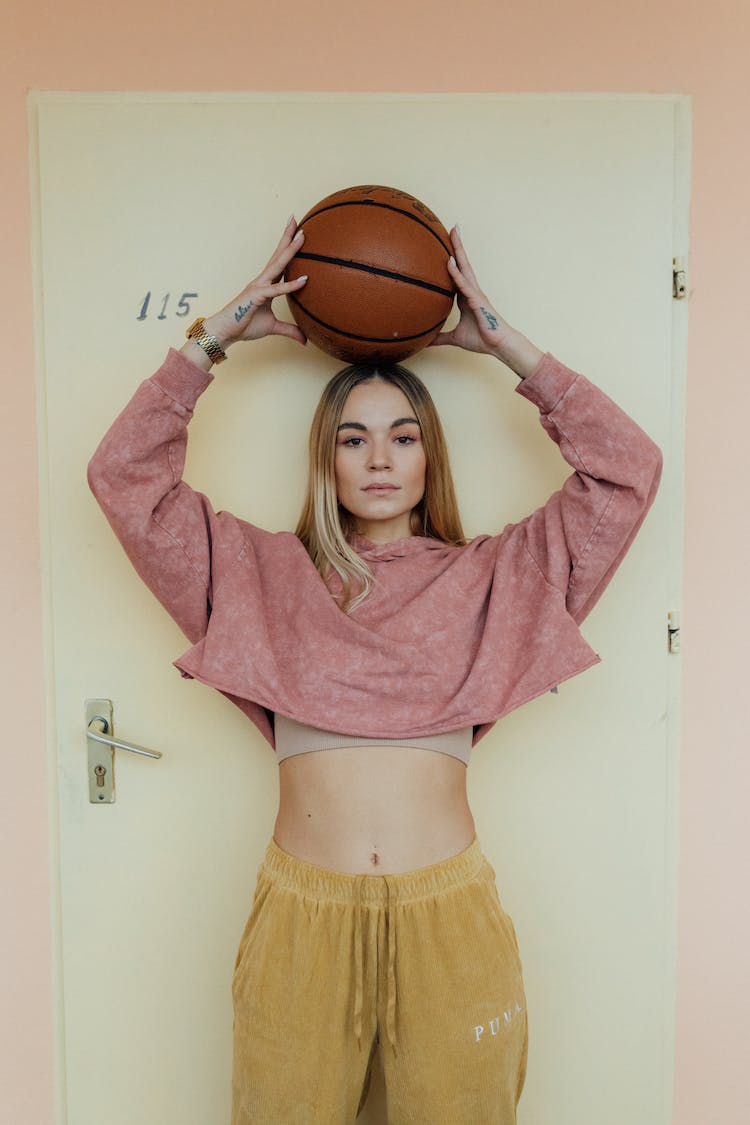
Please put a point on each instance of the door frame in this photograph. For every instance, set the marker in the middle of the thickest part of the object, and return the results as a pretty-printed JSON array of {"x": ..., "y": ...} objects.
[{"x": 673, "y": 473}]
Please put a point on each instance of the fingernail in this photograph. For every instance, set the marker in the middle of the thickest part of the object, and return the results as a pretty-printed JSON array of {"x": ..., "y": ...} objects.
[
  {"x": 458, "y": 230},
  {"x": 302, "y": 277},
  {"x": 299, "y": 233},
  {"x": 452, "y": 260},
  {"x": 290, "y": 218}
]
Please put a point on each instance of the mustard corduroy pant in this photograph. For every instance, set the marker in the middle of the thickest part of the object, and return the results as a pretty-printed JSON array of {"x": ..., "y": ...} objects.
[{"x": 425, "y": 963}]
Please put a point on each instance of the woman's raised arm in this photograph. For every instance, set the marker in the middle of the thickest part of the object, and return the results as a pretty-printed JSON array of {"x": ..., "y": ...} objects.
[
  {"x": 579, "y": 537},
  {"x": 480, "y": 327},
  {"x": 168, "y": 530},
  {"x": 250, "y": 315}
]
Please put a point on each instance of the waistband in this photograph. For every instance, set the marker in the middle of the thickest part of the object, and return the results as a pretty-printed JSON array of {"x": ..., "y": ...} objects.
[
  {"x": 340, "y": 886},
  {"x": 361, "y": 891}
]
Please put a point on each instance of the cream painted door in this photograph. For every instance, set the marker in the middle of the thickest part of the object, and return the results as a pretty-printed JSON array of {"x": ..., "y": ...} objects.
[{"x": 153, "y": 209}]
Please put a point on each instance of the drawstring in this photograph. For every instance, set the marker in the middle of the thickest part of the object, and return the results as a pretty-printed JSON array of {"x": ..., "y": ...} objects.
[
  {"x": 390, "y": 1018},
  {"x": 358, "y": 958},
  {"x": 331, "y": 887}
]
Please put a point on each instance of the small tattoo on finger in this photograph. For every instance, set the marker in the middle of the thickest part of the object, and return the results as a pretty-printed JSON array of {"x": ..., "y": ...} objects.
[
  {"x": 242, "y": 310},
  {"x": 491, "y": 319}
]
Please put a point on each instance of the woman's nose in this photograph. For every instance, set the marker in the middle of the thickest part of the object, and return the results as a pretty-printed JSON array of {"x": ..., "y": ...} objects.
[{"x": 379, "y": 458}]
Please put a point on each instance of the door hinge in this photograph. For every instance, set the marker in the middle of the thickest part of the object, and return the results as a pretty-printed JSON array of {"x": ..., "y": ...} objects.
[
  {"x": 673, "y": 631},
  {"x": 679, "y": 278}
]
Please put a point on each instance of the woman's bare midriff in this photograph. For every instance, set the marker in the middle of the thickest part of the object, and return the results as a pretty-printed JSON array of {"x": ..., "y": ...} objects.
[{"x": 375, "y": 810}]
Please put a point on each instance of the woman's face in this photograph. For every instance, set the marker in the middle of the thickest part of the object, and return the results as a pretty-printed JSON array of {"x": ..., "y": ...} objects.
[{"x": 380, "y": 461}]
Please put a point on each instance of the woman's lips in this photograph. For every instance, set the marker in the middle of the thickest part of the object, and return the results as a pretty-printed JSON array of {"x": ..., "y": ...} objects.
[{"x": 380, "y": 488}]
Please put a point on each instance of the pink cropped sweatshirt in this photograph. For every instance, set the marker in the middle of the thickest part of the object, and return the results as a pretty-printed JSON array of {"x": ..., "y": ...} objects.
[{"x": 448, "y": 637}]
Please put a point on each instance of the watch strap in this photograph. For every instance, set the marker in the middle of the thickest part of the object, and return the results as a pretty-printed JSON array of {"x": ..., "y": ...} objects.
[{"x": 209, "y": 343}]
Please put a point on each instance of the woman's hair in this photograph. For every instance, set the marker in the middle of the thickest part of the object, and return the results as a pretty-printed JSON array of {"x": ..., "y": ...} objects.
[{"x": 325, "y": 527}]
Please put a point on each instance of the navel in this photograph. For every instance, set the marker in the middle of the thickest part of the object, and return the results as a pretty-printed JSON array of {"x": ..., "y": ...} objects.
[{"x": 374, "y": 859}]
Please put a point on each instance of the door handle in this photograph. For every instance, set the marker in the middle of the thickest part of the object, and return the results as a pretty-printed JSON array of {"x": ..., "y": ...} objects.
[
  {"x": 101, "y": 744},
  {"x": 108, "y": 740}
]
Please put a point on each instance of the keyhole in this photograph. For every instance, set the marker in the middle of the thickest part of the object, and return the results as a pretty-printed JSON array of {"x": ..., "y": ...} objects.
[{"x": 100, "y": 771}]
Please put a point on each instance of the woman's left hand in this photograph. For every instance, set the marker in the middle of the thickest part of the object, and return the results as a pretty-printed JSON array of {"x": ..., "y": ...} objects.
[{"x": 480, "y": 327}]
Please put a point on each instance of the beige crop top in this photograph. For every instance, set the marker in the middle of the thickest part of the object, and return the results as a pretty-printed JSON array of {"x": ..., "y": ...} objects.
[{"x": 296, "y": 738}]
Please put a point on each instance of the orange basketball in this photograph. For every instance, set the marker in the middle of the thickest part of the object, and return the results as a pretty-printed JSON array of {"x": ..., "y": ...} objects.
[{"x": 378, "y": 285}]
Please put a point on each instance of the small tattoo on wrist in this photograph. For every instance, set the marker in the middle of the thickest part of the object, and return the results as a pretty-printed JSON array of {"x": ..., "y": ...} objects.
[
  {"x": 242, "y": 309},
  {"x": 491, "y": 319}
]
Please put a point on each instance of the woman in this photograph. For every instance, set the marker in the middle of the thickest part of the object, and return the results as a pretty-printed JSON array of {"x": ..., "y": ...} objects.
[{"x": 378, "y": 634}]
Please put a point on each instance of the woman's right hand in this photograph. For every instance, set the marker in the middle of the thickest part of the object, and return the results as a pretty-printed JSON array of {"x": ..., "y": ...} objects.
[{"x": 250, "y": 315}]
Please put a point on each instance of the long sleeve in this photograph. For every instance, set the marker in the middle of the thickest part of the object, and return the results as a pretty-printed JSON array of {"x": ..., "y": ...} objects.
[
  {"x": 579, "y": 537},
  {"x": 165, "y": 527}
]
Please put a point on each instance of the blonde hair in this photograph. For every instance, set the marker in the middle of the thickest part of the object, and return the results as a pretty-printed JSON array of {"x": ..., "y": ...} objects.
[{"x": 325, "y": 527}]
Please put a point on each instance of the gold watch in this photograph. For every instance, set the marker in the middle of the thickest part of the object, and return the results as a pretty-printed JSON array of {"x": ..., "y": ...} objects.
[{"x": 209, "y": 343}]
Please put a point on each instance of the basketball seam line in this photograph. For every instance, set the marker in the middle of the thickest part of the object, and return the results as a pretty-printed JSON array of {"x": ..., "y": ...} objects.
[
  {"x": 354, "y": 336},
  {"x": 375, "y": 203},
  {"x": 347, "y": 263}
]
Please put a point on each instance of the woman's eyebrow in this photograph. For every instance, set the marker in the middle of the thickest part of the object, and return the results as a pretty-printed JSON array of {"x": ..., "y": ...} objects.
[{"x": 360, "y": 426}]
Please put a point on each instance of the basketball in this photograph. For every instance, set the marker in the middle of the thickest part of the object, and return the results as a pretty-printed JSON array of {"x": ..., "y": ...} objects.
[{"x": 378, "y": 285}]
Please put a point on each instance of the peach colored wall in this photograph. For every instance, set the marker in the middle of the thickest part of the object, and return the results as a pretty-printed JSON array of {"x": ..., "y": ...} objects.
[{"x": 660, "y": 46}]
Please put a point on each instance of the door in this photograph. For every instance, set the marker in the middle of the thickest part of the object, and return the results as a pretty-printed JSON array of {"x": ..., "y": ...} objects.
[{"x": 153, "y": 209}]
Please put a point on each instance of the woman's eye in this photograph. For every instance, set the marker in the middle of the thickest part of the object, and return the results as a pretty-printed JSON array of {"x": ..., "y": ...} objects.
[{"x": 401, "y": 439}]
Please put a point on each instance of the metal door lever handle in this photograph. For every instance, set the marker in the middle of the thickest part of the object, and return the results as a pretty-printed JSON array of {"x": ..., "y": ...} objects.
[{"x": 100, "y": 735}]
